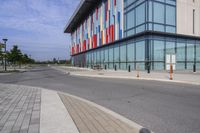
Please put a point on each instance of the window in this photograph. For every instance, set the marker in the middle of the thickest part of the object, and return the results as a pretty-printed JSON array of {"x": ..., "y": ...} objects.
[
  {"x": 158, "y": 51},
  {"x": 180, "y": 56},
  {"x": 159, "y": 13},
  {"x": 190, "y": 56},
  {"x": 140, "y": 51},
  {"x": 158, "y": 55},
  {"x": 190, "y": 52},
  {"x": 106, "y": 55},
  {"x": 116, "y": 53},
  {"x": 130, "y": 19},
  {"x": 170, "y": 47},
  {"x": 123, "y": 53},
  {"x": 150, "y": 11},
  {"x": 110, "y": 54},
  {"x": 140, "y": 14},
  {"x": 130, "y": 52},
  {"x": 170, "y": 15}
]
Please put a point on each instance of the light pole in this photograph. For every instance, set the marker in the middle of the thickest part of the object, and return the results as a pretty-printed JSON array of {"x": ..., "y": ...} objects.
[{"x": 5, "y": 40}]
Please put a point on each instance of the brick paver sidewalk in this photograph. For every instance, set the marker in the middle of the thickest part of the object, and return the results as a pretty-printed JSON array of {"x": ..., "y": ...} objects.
[
  {"x": 25, "y": 109},
  {"x": 19, "y": 109},
  {"x": 90, "y": 119}
]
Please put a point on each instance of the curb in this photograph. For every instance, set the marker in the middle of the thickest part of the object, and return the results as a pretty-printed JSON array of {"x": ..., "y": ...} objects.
[
  {"x": 137, "y": 127},
  {"x": 125, "y": 77}
]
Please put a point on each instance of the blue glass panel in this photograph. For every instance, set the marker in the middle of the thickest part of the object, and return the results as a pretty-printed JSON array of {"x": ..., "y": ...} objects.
[
  {"x": 158, "y": 66},
  {"x": 130, "y": 19},
  {"x": 116, "y": 53},
  {"x": 111, "y": 54},
  {"x": 159, "y": 27},
  {"x": 130, "y": 52},
  {"x": 159, "y": 12},
  {"x": 158, "y": 51},
  {"x": 123, "y": 66},
  {"x": 170, "y": 15},
  {"x": 140, "y": 14},
  {"x": 123, "y": 53},
  {"x": 198, "y": 52},
  {"x": 106, "y": 55},
  {"x": 190, "y": 52},
  {"x": 140, "y": 51},
  {"x": 180, "y": 54},
  {"x": 150, "y": 11},
  {"x": 102, "y": 55},
  {"x": 140, "y": 28},
  {"x": 170, "y": 29},
  {"x": 170, "y": 47}
]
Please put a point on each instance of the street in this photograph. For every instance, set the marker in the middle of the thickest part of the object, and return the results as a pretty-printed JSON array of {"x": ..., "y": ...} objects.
[{"x": 160, "y": 106}]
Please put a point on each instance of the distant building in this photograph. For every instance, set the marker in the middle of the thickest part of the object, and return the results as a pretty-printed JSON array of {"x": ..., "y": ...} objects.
[{"x": 131, "y": 33}]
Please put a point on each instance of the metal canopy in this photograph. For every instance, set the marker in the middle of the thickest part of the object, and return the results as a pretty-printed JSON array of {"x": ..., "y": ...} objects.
[{"x": 83, "y": 10}]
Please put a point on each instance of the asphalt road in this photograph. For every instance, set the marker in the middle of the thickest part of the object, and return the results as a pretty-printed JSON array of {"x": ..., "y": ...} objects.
[{"x": 160, "y": 106}]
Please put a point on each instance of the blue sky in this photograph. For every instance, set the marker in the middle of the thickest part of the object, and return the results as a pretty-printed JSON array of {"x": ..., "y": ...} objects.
[{"x": 36, "y": 26}]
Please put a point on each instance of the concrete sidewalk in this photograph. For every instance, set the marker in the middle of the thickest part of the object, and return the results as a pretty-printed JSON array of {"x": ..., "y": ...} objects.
[
  {"x": 25, "y": 109},
  {"x": 187, "y": 77}
]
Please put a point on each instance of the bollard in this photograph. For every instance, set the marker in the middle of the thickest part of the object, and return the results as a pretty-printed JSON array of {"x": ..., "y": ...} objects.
[
  {"x": 129, "y": 68},
  {"x": 144, "y": 130},
  {"x": 115, "y": 68},
  {"x": 148, "y": 69},
  {"x": 171, "y": 71},
  {"x": 105, "y": 67},
  {"x": 194, "y": 68},
  {"x": 138, "y": 74}
]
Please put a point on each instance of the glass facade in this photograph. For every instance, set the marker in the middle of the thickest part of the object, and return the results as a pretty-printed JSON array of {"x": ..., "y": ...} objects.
[
  {"x": 155, "y": 15},
  {"x": 143, "y": 51}
]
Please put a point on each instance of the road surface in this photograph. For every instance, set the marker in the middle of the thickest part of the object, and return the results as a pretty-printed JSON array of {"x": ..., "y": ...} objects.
[{"x": 162, "y": 107}]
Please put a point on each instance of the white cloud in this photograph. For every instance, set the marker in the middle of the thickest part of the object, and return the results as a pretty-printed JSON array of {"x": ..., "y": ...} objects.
[{"x": 39, "y": 22}]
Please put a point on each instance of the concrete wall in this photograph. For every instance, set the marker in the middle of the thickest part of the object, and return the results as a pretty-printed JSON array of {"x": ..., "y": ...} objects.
[{"x": 185, "y": 17}]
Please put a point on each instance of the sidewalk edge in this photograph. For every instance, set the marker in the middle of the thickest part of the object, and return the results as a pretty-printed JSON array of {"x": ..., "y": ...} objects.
[
  {"x": 125, "y": 77},
  {"x": 106, "y": 110}
]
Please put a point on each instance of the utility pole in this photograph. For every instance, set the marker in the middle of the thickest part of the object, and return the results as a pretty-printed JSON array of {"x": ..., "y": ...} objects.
[{"x": 5, "y": 63}]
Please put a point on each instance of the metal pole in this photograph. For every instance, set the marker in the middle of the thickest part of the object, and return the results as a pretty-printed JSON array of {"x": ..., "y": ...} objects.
[
  {"x": 194, "y": 67},
  {"x": 5, "y": 40},
  {"x": 129, "y": 68}
]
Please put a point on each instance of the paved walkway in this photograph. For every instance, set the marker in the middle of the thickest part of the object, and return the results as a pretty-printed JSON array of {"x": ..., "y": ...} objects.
[
  {"x": 25, "y": 109},
  {"x": 19, "y": 109},
  {"x": 186, "y": 76},
  {"x": 90, "y": 119}
]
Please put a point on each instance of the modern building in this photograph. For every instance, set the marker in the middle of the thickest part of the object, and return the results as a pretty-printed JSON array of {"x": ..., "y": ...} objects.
[{"x": 134, "y": 34}]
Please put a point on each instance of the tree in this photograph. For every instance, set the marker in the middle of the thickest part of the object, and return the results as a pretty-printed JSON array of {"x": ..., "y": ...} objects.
[{"x": 15, "y": 55}]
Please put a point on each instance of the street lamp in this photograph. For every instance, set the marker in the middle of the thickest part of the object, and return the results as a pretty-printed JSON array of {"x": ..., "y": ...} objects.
[{"x": 5, "y": 40}]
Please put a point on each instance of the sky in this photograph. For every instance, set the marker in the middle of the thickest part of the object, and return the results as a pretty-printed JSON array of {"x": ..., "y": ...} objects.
[{"x": 37, "y": 26}]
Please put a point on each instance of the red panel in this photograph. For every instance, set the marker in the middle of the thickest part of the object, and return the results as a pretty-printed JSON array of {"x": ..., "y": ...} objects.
[
  {"x": 112, "y": 33},
  {"x": 84, "y": 45},
  {"x": 94, "y": 41},
  {"x": 115, "y": 2},
  {"x": 106, "y": 35},
  {"x": 97, "y": 14}
]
